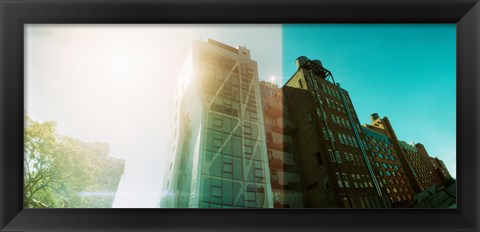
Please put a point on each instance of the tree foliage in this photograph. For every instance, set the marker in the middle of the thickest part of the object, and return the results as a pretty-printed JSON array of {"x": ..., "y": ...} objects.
[{"x": 57, "y": 170}]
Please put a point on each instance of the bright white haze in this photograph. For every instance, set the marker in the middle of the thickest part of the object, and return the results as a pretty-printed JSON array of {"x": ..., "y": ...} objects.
[{"x": 114, "y": 84}]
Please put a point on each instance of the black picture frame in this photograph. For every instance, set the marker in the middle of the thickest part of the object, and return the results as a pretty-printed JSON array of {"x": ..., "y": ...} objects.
[{"x": 15, "y": 13}]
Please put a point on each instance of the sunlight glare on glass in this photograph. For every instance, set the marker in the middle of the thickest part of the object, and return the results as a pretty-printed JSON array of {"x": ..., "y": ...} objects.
[{"x": 272, "y": 79}]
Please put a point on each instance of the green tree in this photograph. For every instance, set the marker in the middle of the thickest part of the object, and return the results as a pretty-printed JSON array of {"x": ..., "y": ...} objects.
[{"x": 57, "y": 169}]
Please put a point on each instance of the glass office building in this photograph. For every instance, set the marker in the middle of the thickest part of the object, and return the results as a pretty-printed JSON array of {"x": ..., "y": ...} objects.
[{"x": 219, "y": 156}]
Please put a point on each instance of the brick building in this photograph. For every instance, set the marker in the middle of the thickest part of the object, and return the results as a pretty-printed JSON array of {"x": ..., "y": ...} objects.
[
  {"x": 329, "y": 142},
  {"x": 343, "y": 164},
  {"x": 239, "y": 142},
  {"x": 389, "y": 170},
  {"x": 284, "y": 175}
]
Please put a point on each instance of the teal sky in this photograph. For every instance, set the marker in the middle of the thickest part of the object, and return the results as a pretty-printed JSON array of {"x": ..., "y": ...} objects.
[{"x": 406, "y": 72}]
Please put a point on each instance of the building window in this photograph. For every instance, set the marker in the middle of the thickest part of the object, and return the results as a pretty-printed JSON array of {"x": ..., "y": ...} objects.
[
  {"x": 354, "y": 179},
  {"x": 359, "y": 160},
  {"x": 228, "y": 168},
  {"x": 258, "y": 173},
  {"x": 301, "y": 83},
  {"x": 319, "y": 158},
  {"x": 340, "y": 138},
  {"x": 332, "y": 156},
  {"x": 331, "y": 135},
  {"x": 326, "y": 183},
  {"x": 362, "y": 202},
  {"x": 345, "y": 180},
  {"x": 350, "y": 139},
  {"x": 339, "y": 180},
  {"x": 351, "y": 158},
  {"x": 337, "y": 156},
  {"x": 309, "y": 117},
  {"x": 325, "y": 134},
  {"x": 312, "y": 186},
  {"x": 216, "y": 191},
  {"x": 217, "y": 143}
]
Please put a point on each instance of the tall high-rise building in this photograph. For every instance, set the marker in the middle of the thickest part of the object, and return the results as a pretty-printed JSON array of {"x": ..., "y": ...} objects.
[
  {"x": 219, "y": 154},
  {"x": 329, "y": 142},
  {"x": 108, "y": 172},
  {"x": 284, "y": 173},
  {"x": 413, "y": 157},
  {"x": 391, "y": 175},
  {"x": 441, "y": 173}
]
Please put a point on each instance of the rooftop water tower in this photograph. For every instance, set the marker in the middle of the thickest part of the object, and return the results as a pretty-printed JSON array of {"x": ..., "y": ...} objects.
[
  {"x": 301, "y": 61},
  {"x": 374, "y": 117}
]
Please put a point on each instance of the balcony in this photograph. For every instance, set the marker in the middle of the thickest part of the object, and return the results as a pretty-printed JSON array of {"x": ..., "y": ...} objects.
[
  {"x": 284, "y": 178},
  {"x": 285, "y": 157},
  {"x": 286, "y": 125},
  {"x": 274, "y": 108},
  {"x": 281, "y": 138}
]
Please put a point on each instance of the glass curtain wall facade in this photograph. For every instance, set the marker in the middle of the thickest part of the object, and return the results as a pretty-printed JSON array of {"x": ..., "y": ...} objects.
[{"x": 219, "y": 158}]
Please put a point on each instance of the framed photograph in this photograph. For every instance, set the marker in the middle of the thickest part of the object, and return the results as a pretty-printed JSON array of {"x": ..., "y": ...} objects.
[{"x": 173, "y": 116}]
